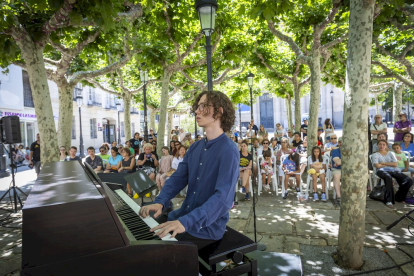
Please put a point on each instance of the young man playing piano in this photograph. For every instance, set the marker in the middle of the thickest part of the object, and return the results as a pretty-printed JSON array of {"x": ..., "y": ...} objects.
[{"x": 211, "y": 169}]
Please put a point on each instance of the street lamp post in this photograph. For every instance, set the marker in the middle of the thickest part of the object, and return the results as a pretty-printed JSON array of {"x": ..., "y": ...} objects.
[
  {"x": 250, "y": 78},
  {"x": 240, "y": 126},
  {"x": 206, "y": 10},
  {"x": 118, "y": 107},
  {"x": 332, "y": 120},
  {"x": 144, "y": 79},
  {"x": 79, "y": 100}
]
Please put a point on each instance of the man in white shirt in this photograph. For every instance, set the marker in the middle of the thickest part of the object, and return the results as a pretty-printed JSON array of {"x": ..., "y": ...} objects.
[
  {"x": 377, "y": 127},
  {"x": 290, "y": 136}
]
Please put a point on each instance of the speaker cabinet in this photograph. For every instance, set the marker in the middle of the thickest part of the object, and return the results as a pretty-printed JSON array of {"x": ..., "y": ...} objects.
[{"x": 10, "y": 130}]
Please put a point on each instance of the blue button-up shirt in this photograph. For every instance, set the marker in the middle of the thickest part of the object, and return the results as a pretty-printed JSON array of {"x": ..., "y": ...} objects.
[{"x": 211, "y": 170}]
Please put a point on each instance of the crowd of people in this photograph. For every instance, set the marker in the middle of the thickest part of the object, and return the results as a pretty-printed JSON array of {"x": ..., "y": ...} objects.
[{"x": 286, "y": 151}]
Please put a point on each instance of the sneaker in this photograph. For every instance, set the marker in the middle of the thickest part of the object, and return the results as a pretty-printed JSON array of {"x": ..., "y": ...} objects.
[
  {"x": 267, "y": 187},
  {"x": 315, "y": 197},
  {"x": 389, "y": 205},
  {"x": 338, "y": 201},
  {"x": 323, "y": 197},
  {"x": 297, "y": 189},
  {"x": 285, "y": 195},
  {"x": 247, "y": 197},
  {"x": 243, "y": 190}
]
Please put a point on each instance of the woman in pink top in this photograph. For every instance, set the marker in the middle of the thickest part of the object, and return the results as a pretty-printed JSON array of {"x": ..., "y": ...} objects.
[{"x": 165, "y": 166}]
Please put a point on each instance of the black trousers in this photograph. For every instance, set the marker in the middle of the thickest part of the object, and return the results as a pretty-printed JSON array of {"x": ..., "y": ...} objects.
[{"x": 403, "y": 180}]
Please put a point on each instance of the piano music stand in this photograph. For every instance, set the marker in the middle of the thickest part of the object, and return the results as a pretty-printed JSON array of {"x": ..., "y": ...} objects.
[
  {"x": 13, "y": 188},
  {"x": 140, "y": 183}
]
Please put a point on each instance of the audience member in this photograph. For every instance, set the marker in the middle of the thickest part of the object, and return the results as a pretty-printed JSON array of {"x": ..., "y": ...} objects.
[
  {"x": 266, "y": 169},
  {"x": 296, "y": 141},
  {"x": 165, "y": 166},
  {"x": 402, "y": 126},
  {"x": 336, "y": 170},
  {"x": 135, "y": 143},
  {"x": 172, "y": 147},
  {"x": 35, "y": 155},
  {"x": 381, "y": 136},
  {"x": 128, "y": 145},
  {"x": 319, "y": 172},
  {"x": 377, "y": 127},
  {"x": 403, "y": 164},
  {"x": 148, "y": 161},
  {"x": 302, "y": 151},
  {"x": 290, "y": 136},
  {"x": 94, "y": 161},
  {"x": 114, "y": 144},
  {"x": 333, "y": 143},
  {"x": 63, "y": 153},
  {"x": 282, "y": 151},
  {"x": 198, "y": 138},
  {"x": 320, "y": 139},
  {"x": 178, "y": 158},
  {"x": 279, "y": 133},
  {"x": 263, "y": 132},
  {"x": 114, "y": 161},
  {"x": 181, "y": 135},
  {"x": 386, "y": 164},
  {"x": 103, "y": 150},
  {"x": 407, "y": 145},
  {"x": 290, "y": 168},
  {"x": 265, "y": 147},
  {"x": 304, "y": 128},
  {"x": 152, "y": 135},
  {"x": 127, "y": 165},
  {"x": 250, "y": 132},
  {"x": 174, "y": 138},
  {"x": 273, "y": 144},
  {"x": 246, "y": 161},
  {"x": 254, "y": 127},
  {"x": 328, "y": 129},
  {"x": 72, "y": 154}
]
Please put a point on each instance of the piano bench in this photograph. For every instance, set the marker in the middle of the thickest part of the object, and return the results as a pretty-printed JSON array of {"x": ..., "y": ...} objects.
[{"x": 233, "y": 246}]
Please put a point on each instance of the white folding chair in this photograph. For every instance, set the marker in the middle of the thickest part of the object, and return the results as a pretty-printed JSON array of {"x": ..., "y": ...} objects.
[
  {"x": 273, "y": 177},
  {"x": 309, "y": 182},
  {"x": 407, "y": 153},
  {"x": 282, "y": 158}
]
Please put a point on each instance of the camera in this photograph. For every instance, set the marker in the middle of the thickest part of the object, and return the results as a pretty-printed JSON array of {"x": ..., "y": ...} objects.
[{"x": 149, "y": 155}]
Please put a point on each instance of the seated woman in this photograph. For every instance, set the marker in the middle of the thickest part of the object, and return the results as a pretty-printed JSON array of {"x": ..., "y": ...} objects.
[
  {"x": 114, "y": 161},
  {"x": 407, "y": 145},
  {"x": 386, "y": 164},
  {"x": 127, "y": 165},
  {"x": 148, "y": 161},
  {"x": 296, "y": 141},
  {"x": 246, "y": 162},
  {"x": 178, "y": 158},
  {"x": 319, "y": 171},
  {"x": 63, "y": 153},
  {"x": 265, "y": 147},
  {"x": 172, "y": 147},
  {"x": 283, "y": 151},
  {"x": 382, "y": 136},
  {"x": 165, "y": 166}
]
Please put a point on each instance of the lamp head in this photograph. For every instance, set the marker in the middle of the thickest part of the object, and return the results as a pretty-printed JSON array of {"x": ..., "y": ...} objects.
[
  {"x": 206, "y": 10},
  {"x": 250, "y": 78},
  {"x": 79, "y": 98},
  {"x": 144, "y": 76}
]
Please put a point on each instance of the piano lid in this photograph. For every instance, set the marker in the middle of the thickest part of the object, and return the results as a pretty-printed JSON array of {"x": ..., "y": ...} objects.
[{"x": 49, "y": 188}]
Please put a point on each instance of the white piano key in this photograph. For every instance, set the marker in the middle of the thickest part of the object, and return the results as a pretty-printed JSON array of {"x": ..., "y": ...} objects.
[{"x": 136, "y": 208}]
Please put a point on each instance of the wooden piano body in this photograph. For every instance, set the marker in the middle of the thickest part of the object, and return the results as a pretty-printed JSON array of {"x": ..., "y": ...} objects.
[{"x": 71, "y": 228}]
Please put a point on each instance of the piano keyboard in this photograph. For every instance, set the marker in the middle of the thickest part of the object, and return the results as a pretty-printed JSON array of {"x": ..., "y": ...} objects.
[{"x": 138, "y": 226}]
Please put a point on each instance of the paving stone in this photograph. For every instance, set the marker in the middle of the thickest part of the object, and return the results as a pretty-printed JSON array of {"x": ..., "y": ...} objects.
[
  {"x": 9, "y": 262},
  {"x": 332, "y": 241},
  {"x": 240, "y": 212},
  {"x": 399, "y": 257},
  {"x": 387, "y": 217},
  {"x": 320, "y": 242},
  {"x": 370, "y": 219},
  {"x": 10, "y": 239},
  {"x": 285, "y": 213},
  {"x": 374, "y": 205},
  {"x": 323, "y": 229},
  {"x": 292, "y": 248},
  {"x": 274, "y": 201},
  {"x": 299, "y": 240},
  {"x": 273, "y": 243},
  {"x": 271, "y": 226},
  {"x": 237, "y": 224},
  {"x": 327, "y": 215},
  {"x": 378, "y": 234}
]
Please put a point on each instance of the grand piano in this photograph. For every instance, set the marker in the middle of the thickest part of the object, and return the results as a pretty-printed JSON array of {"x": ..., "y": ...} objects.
[{"x": 75, "y": 224}]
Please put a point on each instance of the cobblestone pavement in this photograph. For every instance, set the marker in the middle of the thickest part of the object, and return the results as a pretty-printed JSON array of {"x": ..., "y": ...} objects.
[{"x": 307, "y": 229}]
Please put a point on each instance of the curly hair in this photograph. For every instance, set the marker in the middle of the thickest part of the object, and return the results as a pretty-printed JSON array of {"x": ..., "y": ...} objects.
[{"x": 217, "y": 99}]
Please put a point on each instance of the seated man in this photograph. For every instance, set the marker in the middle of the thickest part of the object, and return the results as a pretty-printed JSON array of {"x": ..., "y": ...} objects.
[
  {"x": 72, "y": 154},
  {"x": 336, "y": 170},
  {"x": 382, "y": 136},
  {"x": 333, "y": 144},
  {"x": 93, "y": 160}
]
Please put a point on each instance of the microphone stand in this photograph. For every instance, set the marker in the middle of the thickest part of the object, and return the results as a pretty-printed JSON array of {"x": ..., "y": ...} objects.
[{"x": 260, "y": 246}]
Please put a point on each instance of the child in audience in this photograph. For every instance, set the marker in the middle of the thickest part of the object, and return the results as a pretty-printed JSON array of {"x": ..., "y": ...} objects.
[
  {"x": 402, "y": 161},
  {"x": 266, "y": 169},
  {"x": 320, "y": 168},
  {"x": 290, "y": 168}
]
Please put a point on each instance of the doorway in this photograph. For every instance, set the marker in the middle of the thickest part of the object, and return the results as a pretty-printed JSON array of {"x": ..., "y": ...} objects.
[{"x": 109, "y": 133}]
